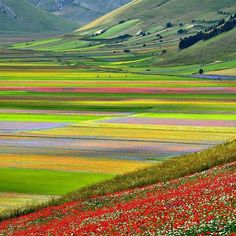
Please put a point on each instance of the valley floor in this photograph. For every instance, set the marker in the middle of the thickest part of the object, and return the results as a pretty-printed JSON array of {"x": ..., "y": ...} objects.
[{"x": 65, "y": 127}]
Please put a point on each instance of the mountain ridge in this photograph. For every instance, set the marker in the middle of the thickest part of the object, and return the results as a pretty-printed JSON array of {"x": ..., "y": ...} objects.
[
  {"x": 79, "y": 11},
  {"x": 23, "y": 16}
]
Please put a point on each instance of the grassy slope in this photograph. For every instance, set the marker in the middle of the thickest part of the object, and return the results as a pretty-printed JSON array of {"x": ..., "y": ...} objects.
[
  {"x": 164, "y": 171},
  {"x": 26, "y": 17},
  {"x": 219, "y": 48},
  {"x": 152, "y": 19},
  {"x": 157, "y": 13},
  {"x": 160, "y": 12}
]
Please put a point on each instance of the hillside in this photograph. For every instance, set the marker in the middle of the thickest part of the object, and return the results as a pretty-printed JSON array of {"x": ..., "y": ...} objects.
[
  {"x": 161, "y": 24},
  {"x": 152, "y": 200},
  {"x": 80, "y": 11},
  {"x": 24, "y": 17},
  {"x": 130, "y": 34},
  {"x": 220, "y": 48},
  {"x": 157, "y": 13}
]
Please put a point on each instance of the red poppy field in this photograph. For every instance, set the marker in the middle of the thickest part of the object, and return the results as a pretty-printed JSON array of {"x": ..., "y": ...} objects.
[{"x": 199, "y": 204}]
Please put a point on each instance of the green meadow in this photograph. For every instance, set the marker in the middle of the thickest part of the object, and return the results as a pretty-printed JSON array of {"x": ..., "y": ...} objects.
[
  {"x": 45, "y": 182},
  {"x": 70, "y": 118}
]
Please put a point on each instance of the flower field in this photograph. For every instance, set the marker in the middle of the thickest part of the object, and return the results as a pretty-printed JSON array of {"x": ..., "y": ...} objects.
[
  {"x": 83, "y": 125},
  {"x": 116, "y": 128},
  {"x": 199, "y": 204},
  {"x": 83, "y": 164}
]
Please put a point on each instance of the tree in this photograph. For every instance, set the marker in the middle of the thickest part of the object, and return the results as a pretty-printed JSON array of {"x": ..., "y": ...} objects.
[
  {"x": 210, "y": 32},
  {"x": 201, "y": 71},
  {"x": 163, "y": 51},
  {"x": 169, "y": 24},
  {"x": 181, "y": 31},
  {"x": 121, "y": 22}
]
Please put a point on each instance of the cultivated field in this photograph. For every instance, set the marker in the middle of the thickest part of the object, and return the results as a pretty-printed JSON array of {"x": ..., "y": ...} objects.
[
  {"x": 76, "y": 127},
  {"x": 126, "y": 125},
  {"x": 184, "y": 195}
]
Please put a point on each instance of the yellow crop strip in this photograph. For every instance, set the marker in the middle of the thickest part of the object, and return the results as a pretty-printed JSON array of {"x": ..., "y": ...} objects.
[
  {"x": 154, "y": 102},
  {"x": 227, "y": 72},
  {"x": 61, "y": 74},
  {"x": 92, "y": 124},
  {"x": 94, "y": 165},
  {"x": 139, "y": 133}
]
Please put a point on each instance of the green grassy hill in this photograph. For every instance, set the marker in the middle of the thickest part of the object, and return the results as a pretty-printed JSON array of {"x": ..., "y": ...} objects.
[
  {"x": 152, "y": 20},
  {"x": 157, "y": 13},
  {"x": 220, "y": 48},
  {"x": 22, "y": 16},
  {"x": 151, "y": 34}
]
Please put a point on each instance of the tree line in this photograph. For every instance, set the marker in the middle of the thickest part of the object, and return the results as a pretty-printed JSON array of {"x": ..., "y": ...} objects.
[{"x": 210, "y": 32}]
